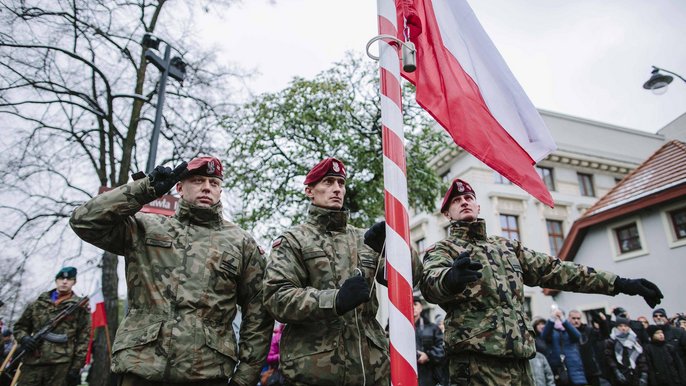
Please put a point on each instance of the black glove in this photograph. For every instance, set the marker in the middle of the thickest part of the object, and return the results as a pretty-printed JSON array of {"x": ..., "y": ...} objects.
[
  {"x": 643, "y": 381},
  {"x": 353, "y": 292},
  {"x": 649, "y": 291},
  {"x": 29, "y": 344},
  {"x": 375, "y": 236},
  {"x": 73, "y": 377},
  {"x": 619, "y": 376},
  {"x": 463, "y": 271},
  {"x": 163, "y": 178}
]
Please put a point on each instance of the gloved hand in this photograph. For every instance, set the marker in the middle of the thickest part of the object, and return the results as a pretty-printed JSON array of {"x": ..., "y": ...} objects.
[
  {"x": 353, "y": 292},
  {"x": 643, "y": 380},
  {"x": 29, "y": 344},
  {"x": 162, "y": 178},
  {"x": 619, "y": 376},
  {"x": 73, "y": 377},
  {"x": 463, "y": 271},
  {"x": 649, "y": 291},
  {"x": 375, "y": 236}
]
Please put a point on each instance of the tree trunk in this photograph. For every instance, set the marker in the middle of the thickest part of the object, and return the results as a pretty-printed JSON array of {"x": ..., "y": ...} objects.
[{"x": 99, "y": 374}]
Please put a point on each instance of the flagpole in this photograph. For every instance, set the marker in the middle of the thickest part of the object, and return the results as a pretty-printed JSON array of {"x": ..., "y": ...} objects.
[
  {"x": 399, "y": 264},
  {"x": 109, "y": 346}
]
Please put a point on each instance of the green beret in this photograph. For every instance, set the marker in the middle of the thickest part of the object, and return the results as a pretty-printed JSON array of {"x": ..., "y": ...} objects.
[{"x": 66, "y": 273}]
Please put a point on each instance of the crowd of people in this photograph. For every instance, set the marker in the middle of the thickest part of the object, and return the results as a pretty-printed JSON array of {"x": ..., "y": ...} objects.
[
  {"x": 610, "y": 349},
  {"x": 188, "y": 275}
]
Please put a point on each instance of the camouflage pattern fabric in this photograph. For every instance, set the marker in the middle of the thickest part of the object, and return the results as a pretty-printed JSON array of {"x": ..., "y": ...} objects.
[
  {"x": 307, "y": 266},
  {"x": 185, "y": 275},
  {"x": 488, "y": 317},
  {"x": 44, "y": 375},
  {"x": 76, "y": 326},
  {"x": 480, "y": 370}
]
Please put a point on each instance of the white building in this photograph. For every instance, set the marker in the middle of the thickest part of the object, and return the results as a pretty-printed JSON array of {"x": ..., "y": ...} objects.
[
  {"x": 637, "y": 230},
  {"x": 591, "y": 158}
]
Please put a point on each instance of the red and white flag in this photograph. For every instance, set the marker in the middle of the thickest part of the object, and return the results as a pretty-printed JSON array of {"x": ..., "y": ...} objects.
[
  {"x": 464, "y": 83},
  {"x": 98, "y": 317}
]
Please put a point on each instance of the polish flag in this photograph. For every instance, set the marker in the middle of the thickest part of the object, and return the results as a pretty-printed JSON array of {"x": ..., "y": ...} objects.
[
  {"x": 98, "y": 317},
  {"x": 464, "y": 83}
]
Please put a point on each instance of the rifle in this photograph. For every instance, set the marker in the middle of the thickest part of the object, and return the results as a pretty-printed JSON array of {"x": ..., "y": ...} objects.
[{"x": 45, "y": 331}]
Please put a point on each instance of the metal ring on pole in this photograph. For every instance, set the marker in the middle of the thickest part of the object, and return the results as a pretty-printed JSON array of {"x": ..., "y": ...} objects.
[{"x": 389, "y": 37}]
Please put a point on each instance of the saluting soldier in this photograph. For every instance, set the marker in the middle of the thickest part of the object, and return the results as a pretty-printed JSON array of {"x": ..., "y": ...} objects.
[
  {"x": 186, "y": 275},
  {"x": 319, "y": 282},
  {"x": 479, "y": 280},
  {"x": 56, "y": 360}
]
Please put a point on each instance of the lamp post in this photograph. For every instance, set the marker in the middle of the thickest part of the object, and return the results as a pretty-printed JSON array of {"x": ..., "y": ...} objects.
[
  {"x": 168, "y": 66},
  {"x": 658, "y": 82}
]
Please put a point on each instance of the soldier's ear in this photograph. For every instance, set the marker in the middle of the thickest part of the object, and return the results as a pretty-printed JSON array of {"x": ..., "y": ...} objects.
[
  {"x": 308, "y": 191},
  {"x": 179, "y": 188}
]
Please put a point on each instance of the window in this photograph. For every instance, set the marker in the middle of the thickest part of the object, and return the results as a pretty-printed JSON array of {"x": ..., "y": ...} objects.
[
  {"x": 678, "y": 218},
  {"x": 628, "y": 238},
  {"x": 555, "y": 235},
  {"x": 509, "y": 226},
  {"x": 500, "y": 179},
  {"x": 421, "y": 244},
  {"x": 444, "y": 176},
  {"x": 547, "y": 177},
  {"x": 586, "y": 185}
]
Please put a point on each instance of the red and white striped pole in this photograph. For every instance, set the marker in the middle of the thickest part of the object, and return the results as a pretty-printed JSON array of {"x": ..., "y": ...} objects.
[{"x": 399, "y": 262}]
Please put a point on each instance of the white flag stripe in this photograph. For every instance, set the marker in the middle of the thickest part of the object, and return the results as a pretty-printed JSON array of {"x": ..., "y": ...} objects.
[
  {"x": 395, "y": 181},
  {"x": 388, "y": 59},
  {"x": 394, "y": 119},
  {"x": 481, "y": 60},
  {"x": 406, "y": 347},
  {"x": 398, "y": 254},
  {"x": 386, "y": 9}
]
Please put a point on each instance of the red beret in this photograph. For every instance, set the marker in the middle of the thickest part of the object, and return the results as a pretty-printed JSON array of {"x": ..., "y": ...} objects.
[
  {"x": 205, "y": 166},
  {"x": 457, "y": 188},
  {"x": 328, "y": 167}
]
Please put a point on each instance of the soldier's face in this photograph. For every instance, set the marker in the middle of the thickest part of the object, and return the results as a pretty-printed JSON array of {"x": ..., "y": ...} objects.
[
  {"x": 200, "y": 190},
  {"x": 64, "y": 285},
  {"x": 327, "y": 193},
  {"x": 463, "y": 208}
]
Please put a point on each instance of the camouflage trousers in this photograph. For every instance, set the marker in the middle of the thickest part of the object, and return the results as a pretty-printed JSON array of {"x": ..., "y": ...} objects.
[
  {"x": 476, "y": 369},
  {"x": 134, "y": 380},
  {"x": 44, "y": 375}
]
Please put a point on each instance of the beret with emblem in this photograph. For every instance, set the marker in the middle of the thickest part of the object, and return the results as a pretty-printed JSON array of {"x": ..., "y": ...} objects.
[
  {"x": 457, "y": 188},
  {"x": 204, "y": 166},
  {"x": 327, "y": 167},
  {"x": 66, "y": 273}
]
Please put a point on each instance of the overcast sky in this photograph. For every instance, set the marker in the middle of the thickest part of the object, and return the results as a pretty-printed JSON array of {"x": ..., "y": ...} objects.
[{"x": 585, "y": 58}]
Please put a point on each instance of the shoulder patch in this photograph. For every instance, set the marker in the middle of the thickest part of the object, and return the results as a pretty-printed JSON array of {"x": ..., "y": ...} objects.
[
  {"x": 277, "y": 242},
  {"x": 431, "y": 248}
]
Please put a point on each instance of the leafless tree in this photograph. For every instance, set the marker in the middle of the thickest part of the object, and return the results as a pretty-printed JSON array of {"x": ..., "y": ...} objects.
[{"x": 76, "y": 113}]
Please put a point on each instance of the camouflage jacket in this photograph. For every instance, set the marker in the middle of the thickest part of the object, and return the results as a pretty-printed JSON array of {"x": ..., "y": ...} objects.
[
  {"x": 185, "y": 275},
  {"x": 76, "y": 326},
  {"x": 488, "y": 316},
  {"x": 307, "y": 266}
]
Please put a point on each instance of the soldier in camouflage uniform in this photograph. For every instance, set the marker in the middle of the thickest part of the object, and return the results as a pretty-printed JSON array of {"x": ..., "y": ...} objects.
[
  {"x": 185, "y": 275},
  {"x": 479, "y": 281},
  {"x": 318, "y": 281},
  {"x": 58, "y": 359}
]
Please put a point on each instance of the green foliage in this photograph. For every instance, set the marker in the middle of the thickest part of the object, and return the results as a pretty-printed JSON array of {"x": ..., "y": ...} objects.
[{"x": 278, "y": 137}]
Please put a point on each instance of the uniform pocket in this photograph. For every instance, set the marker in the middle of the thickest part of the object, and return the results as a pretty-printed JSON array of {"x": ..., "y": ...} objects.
[
  {"x": 128, "y": 338},
  {"x": 308, "y": 352},
  {"x": 470, "y": 330},
  {"x": 319, "y": 268}
]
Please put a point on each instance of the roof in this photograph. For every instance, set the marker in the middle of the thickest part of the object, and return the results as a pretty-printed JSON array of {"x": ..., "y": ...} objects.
[{"x": 660, "y": 178}]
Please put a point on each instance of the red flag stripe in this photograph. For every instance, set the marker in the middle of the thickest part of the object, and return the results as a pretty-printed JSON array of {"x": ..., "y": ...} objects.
[
  {"x": 393, "y": 149},
  {"x": 390, "y": 87},
  {"x": 396, "y": 216},
  {"x": 401, "y": 370},
  {"x": 386, "y": 27}
]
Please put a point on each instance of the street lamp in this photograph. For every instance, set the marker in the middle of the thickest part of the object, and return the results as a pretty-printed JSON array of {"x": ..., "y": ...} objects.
[
  {"x": 658, "y": 82},
  {"x": 174, "y": 67}
]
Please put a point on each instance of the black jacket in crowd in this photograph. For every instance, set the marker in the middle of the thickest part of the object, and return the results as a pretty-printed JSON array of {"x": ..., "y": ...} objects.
[{"x": 430, "y": 340}]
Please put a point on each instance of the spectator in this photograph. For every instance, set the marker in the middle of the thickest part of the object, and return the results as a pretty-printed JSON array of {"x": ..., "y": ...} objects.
[
  {"x": 541, "y": 345},
  {"x": 635, "y": 325},
  {"x": 664, "y": 365},
  {"x": 564, "y": 341},
  {"x": 680, "y": 321},
  {"x": 673, "y": 336},
  {"x": 543, "y": 374},
  {"x": 443, "y": 367},
  {"x": 271, "y": 376},
  {"x": 7, "y": 343},
  {"x": 644, "y": 322},
  {"x": 430, "y": 350},
  {"x": 624, "y": 356},
  {"x": 589, "y": 357}
]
